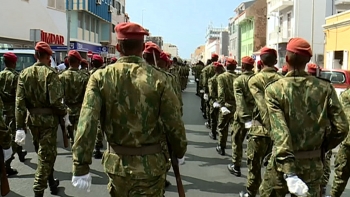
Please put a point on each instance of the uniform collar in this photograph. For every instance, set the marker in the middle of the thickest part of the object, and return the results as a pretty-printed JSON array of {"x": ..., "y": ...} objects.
[{"x": 297, "y": 73}]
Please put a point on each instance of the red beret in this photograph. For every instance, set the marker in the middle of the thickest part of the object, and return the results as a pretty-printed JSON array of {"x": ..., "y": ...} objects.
[
  {"x": 311, "y": 68},
  {"x": 11, "y": 57},
  {"x": 75, "y": 54},
  {"x": 164, "y": 57},
  {"x": 259, "y": 64},
  {"x": 128, "y": 30},
  {"x": 214, "y": 55},
  {"x": 248, "y": 60},
  {"x": 43, "y": 47},
  {"x": 97, "y": 58},
  {"x": 150, "y": 47},
  {"x": 168, "y": 54},
  {"x": 218, "y": 64},
  {"x": 230, "y": 61},
  {"x": 267, "y": 50},
  {"x": 299, "y": 46},
  {"x": 285, "y": 68},
  {"x": 66, "y": 61},
  {"x": 83, "y": 61},
  {"x": 114, "y": 59}
]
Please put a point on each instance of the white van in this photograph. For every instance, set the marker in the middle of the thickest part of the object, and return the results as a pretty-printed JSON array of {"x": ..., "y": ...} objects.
[{"x": 25, "y": 58}]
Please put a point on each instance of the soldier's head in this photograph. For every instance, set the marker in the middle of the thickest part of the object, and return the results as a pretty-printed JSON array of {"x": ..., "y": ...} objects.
[
  {"x": 219, "y": 68},
  {"x": 151, "y": 53},
  {"x": 66, "y": 63},
  {"x": 200, "y": 63},
  {"x": 312, "y": 69},
  {"x": 97, "y": 61},
  {"x": 284, "y": 70},
  {"x": 298, "y": 54},
  {"x": 231, "y": 64},
  {"x": 130, "y": 39},
  {"x": 214, "y": 57},
  {"x": 84, "y": 64},
  {"x": 209, "y": 62},
  {"x": 74, "y": 58},
  {"x": 10, "y": 60},
  {"x": 247, "y": 63},
  {"x": 268, "y": 57},
  {"x": 164, "y": 61},
  {"x": 43, "y": 53},
  {"x": 174, "y": 60}
]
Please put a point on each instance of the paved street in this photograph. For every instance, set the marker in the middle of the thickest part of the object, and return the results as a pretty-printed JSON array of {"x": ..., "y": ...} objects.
[{"x": 204, "y": 173}]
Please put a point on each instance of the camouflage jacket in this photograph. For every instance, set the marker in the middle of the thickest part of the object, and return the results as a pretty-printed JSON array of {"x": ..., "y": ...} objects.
[
  {"x": 130, "y": 97},
  {"x": 74, "y": 85},
  {"x": 244, "y": 98},
  {"x": 226, "y": 96},
  {"x": 8, "y": 84},
  {"x": 345, "y": 101},
  {"x": 213, "y": 88},
  {"x": 197, "y": 71},
  {"x": 301, "y": 108},
  {"x": 208, "y": 72},
  {"x": 256, "y": 86},
  {"x": 39, "y": 87},
  {"x": 85, "y": 72},
  {"x": 5, "y": 132}
]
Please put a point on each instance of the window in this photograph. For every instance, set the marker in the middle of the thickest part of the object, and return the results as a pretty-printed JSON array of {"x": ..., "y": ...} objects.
[
  {"x": 118, "y": 7},
  {"x": 51, "y": 3},
  {"x": 80, "y": 19},
  {"x": 57, "y": 4},
  {"x": 333, "y": 76},
  {"x": 87, "y": 22},
  {"x": 281, "y": 21},
  {"x": 289, "y": 24},
  {"x": 23, "y": 61},
  {"x": 113, "y": 28},
  {"x": 93, "y": 25},
  {"x": 123, "y": 9}
]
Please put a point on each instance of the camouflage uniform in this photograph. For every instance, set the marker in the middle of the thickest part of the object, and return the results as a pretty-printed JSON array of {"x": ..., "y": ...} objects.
[
  {"x": 341, "y": 163},
  {"x": 226, "y": 98},
  {"x": 74, "y": 85},
  {"x": 326, "y": 168},
  {"x": 197, "y": 72},
  {"x": 85, "y": 72},
  {"x": 213, "y": 97},
  {"x": 301, "y": 108},
  {"x": 5, "y": 132},
  {"x": 259, "y": 142},
  {"x": 131, "y": 127},
  {"x": 40, "y": 92},
  {"x": 183, "y": 76},
  {"x": 207, "y": 73}
]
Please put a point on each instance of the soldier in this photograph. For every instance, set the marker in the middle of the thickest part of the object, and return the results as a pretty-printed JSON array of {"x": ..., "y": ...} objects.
[
  {"x": 174, "y": 69},
  {"x": 84, "y": 67},
  {"x": 284, "y": 70},
  {"x": 301, "y": 108},
  {"x": 134, "y": 154},
  {"x": 8, "y": 82},
  {"x": 113, "y": 60},
  {"x": 341, "y": 163},
  {"x": 244, "y": 103},
  {"x": 227, "y": 103},
  {"x": 5, "y": 137},
  {"x": 74, "y": 85},
  {"x": 197, "y": 72},
  {"x": 259, "y": 142},
  {"x": 44, "y": 103},
  {"x": 213, "y": 98}
]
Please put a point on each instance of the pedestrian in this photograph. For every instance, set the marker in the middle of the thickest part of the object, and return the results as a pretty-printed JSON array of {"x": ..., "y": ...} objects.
[
  {"x": 8, "y": 82},
  {"x": 244, "y": 110},
  {"x": 306, "y": 119},
  {"x": 44, "y": 104},
  {"x": 74, "y": 85},
  {"x": 131, "y": 97},
  {"x": 227, "y": 103}
]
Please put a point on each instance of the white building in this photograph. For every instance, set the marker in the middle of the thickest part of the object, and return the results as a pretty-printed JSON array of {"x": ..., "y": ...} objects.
[
  {"x": 118, "y": 16},
  {"x": 212, "y": 43},
  {"x": 297, "y": 18},
  {"x": 170, "y": 48}
]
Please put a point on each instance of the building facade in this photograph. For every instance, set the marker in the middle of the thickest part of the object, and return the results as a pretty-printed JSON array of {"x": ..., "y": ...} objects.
[
  {"x": 224, "y": 42},
  {"x": 170, "y": 48},
  {"x": 155, "y": 39},
  {"x": 198, "y": 55},
  {"x": 118, "y": 16},
  {"x": 47, "y": 17},
  {"x": 212, "y": 44}
]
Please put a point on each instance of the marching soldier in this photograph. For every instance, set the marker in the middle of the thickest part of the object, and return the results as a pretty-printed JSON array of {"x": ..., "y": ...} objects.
[
  {"x": 84, "y": 65},
  {"x": 197, "y": 72},
  {"x": 134, "y": 161}
]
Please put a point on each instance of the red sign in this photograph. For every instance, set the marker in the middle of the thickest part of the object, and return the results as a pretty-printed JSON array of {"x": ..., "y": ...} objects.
[
  {"x": 50, "y": 38},
  {"x": 89, "y": 53}
]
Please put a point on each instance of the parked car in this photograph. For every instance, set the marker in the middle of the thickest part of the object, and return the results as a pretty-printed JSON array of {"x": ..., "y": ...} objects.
[{"x": 339, "y": 78}]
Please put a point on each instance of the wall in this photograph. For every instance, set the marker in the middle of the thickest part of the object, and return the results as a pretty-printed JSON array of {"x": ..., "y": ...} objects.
[
  {"x": 224, "y": 41},
  {"x": 170, "y": 48},
  {"x": 212, "y": 46},
  {"x": 247, "y": 38}
]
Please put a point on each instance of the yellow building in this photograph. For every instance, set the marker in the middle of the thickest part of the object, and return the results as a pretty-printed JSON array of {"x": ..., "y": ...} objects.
[{"x": 337, "y": 41}]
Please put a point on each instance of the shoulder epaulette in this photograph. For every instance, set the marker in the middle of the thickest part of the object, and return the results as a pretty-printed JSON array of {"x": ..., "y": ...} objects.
[
  {"x": 250, "y": 77},
  {"x": 271, "y": 82},
  {"x": 324, "y": 79}
]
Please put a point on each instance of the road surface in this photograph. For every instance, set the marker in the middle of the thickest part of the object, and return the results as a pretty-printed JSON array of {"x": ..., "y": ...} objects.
[{"x": 204, "y": 174}]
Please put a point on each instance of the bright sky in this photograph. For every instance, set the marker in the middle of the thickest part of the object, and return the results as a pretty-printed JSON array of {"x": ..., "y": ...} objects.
[{"x": 181, "y": 22}]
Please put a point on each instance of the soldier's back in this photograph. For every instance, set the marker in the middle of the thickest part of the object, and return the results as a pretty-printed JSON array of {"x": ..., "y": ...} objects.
[
  {"x": 225, "y": 82},
  {"x": 8, "y": 83},
  {"x": 241, "y": 82}
]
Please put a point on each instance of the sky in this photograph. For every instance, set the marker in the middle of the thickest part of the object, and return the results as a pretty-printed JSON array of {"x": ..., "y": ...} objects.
[{"x": 181, "y": 22}]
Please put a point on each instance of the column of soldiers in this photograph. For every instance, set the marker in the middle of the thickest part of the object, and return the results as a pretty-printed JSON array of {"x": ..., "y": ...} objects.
[
  {"x": 291, "y": 121},
  {"x": 135, "y": 103}
]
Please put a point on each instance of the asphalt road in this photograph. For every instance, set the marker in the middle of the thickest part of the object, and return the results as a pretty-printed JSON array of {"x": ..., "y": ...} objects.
[{"x": 204, "y": 174}]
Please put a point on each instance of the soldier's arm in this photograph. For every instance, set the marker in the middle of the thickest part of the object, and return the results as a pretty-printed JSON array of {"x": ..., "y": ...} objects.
[
  {"x": 210, "y": 88},
  {"x": 201, "y": 81},
  {"x": 257, "y": 90},
  {"x": 221, "y": 91},
  {"x": 205, "y": 81},
  {"x": 5, "y": 134},
  {"x": 21, "y": 108},
  {"x": 172, "y": 121},
  {"x": 56, "y": 94},
  {"x": 86, "y": 131},
  {"x": 280, "y": 132},
  {"x": 242, "y": 112}
]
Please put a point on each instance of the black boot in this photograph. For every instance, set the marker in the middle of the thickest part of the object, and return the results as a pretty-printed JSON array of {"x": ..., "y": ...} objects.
[
  {"x": 212, "y": 136},
  {"x": 220, "y": 150},
  {"x": 10, "y": 171},
  {"x": 97, "y": 153},
  {"x": 53, "y": 183},
  {"x": 21, "y": 154},
  {"x": 235, "y": 170},
  {"x": 38, "y": 195}
]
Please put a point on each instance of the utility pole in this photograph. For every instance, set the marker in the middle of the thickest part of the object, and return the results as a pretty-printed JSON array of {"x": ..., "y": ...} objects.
[
  {"x": 312, "y": 24},
  {"x": 68, "y": 24}
]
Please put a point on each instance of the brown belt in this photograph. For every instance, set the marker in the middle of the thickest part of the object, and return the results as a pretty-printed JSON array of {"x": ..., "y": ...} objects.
[
  {"x": 41, "y": 111},
  {"x": 308, "y": 154},
  {"x": 135, "y": 151}
]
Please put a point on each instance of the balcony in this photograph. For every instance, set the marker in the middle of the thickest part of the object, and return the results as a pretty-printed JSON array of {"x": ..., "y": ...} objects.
[
  {"x": 341, "y": 2},
  {"x": 278, "y": 5},
  {"x": 281, "y": 37}
]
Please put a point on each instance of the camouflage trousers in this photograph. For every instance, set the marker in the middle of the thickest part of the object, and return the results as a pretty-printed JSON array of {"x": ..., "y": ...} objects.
[
  {"x": 71, "y": 129},
  {"x": 326, "y": 168},
  {"x": 44, "y": 140},
  {"x": 224, "y": 122},
  {"x": 99, "y": 138},
  {"x": 341, "y": 171},
  {"x": 257, "y": 148},
  {"x": 11, "y": 123},
  {"x": 308, "y": 170},
  {"x": 208, "y": 112},
  {"x": 213, "y": 118},
  {"x": 184, "y": 82},
  {"x": 237, "y": 139},
  {"x": 128, "y": 187}
]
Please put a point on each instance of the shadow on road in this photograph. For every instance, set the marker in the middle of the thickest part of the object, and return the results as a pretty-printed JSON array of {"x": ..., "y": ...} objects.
[{"x": 206, "y": 161}]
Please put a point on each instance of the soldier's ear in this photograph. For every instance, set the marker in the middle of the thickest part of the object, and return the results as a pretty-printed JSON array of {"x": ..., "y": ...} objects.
[{"x": 118, "y": 48}]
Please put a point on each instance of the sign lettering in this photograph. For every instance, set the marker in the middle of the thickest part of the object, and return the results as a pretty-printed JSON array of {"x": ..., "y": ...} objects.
[{"x": 51, "y": 38}]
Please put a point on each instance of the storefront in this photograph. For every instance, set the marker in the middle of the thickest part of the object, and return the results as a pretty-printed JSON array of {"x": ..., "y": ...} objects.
[{"x": 84, "y": 48}]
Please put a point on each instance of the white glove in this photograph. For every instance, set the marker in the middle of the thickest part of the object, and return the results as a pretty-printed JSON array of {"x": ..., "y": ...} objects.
[
  {"x": 20, "y": 138},
  {"x": 248, "y": 124},
  {"x": 206, "y": 97},
  {"x": 8, "y": 154},
  {"x": 197, "y": 79},
  {"x": 201, "y": 91},
  {"x": 181, "y": 161},
  {"x": 296, "y": 186},
  {"x": 82, "y": 182},
  {"x": 66, "y": 120},
  {"x": 216, "y": 105},
  {"x": 224, "y": 110}
]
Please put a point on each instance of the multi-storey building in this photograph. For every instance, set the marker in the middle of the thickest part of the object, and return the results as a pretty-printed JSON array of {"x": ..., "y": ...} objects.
[
  {"x": 198, "y": 55},
  {"x": 212, "y": 44},
  {"x": 155, "y": 39},
  {"x": 118, "y": 15},
  {"x": 171, "y": 48}
]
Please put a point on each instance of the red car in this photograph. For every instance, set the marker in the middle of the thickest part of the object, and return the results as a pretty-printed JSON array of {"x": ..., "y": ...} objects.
[{"x": 338, "y": 77}]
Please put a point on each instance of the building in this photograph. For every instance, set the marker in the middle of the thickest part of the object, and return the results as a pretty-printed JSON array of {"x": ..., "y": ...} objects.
[
  {"x": 155, "y": 39},
  {"x": 212, "y": 44},
  {"x": 299, "y": 18},
  {"x": 170, "y": 48},
  {"x": 224, "y": 42},
  {"x": 118, "y": 16},
  {"x": 47, "y": 17},
  {"x": 198, "y": 55},
  {"x": 337, "y": 42}
]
